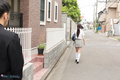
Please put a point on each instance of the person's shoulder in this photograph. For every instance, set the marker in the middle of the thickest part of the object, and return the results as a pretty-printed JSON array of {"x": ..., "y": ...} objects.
[{"x": 9, "y": 34}]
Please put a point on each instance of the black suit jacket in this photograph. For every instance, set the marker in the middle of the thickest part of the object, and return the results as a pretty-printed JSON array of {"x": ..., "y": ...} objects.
[{"x": 11, "y": 58}]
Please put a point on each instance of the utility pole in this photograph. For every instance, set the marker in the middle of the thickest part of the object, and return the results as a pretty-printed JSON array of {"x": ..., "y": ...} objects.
[
  {"x": 96, "y": 14},
  {"x": 106, "y": 1}
]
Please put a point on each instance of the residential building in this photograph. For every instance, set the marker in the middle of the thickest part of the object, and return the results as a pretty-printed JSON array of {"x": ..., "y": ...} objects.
[
  {"x": 112, "y": 12},
  {"x": 102, "y": 19},
  {"x": 99, "y": 14},
  {"x": 110, "y": 16},
  {"x": 36, "y": 14},
  {"x": 39, "y": 15},
  {"x": 16, "y": 16}
]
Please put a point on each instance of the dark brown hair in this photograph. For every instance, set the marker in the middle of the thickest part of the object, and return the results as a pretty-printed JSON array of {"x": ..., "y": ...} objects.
[{"x": 79, "y": 26}]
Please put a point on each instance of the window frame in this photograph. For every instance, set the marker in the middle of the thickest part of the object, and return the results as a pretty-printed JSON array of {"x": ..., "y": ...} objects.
[
  {"x": 56, "y": 4},
  {"x": 43, "y": 22},
  {"x": 49, "y": 1}
]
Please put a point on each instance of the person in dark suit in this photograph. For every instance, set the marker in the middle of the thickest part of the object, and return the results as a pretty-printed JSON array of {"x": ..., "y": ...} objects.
[{"x": 11, "y": 58}]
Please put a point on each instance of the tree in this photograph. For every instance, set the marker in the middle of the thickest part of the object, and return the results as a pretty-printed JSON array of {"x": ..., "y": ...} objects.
[
  {"x": 97, "y": 25},
  {"x": 71, "y": 7}
]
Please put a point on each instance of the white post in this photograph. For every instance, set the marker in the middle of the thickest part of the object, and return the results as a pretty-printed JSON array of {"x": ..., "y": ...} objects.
[
  {"x": 119, "y": 28},
  {"x": 64, "y": 31},
  {"x": 112, "y": 29}
]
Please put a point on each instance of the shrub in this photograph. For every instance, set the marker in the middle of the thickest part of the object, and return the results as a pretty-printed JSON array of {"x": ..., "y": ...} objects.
[{"x": 42, "y": 46}]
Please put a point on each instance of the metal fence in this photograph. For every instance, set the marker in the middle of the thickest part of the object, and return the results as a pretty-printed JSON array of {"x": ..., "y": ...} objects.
[
  {"x": 54, "y": 36},
  {"x": 25, "y": 40}
]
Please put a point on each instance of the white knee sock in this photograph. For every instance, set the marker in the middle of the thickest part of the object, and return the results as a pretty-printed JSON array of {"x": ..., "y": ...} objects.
[{"x": 78, "y": 57}]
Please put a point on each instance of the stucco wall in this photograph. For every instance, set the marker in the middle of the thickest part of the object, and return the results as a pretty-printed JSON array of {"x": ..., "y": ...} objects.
[{"x": 111, "y": 14}]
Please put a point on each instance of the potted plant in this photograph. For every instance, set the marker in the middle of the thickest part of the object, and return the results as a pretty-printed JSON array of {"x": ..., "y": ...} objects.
[{"x": 41, "y": 48}]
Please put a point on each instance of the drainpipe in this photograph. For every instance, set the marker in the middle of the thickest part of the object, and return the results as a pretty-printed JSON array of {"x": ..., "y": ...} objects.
[{"x": 112, "y": 27}]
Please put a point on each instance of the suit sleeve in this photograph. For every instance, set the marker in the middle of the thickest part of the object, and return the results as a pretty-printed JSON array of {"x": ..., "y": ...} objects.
[{"x": 15, "y": 57}]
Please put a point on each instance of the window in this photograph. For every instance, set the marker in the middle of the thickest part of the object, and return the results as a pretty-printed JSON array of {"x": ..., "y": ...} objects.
[
  {"x": 56, "y": 12},
  {"x": 43, "y": 12},
  {"x": 49, "y": 10}
]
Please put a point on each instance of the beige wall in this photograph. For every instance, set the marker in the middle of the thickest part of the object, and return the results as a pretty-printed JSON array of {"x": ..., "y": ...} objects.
[
  {"x": 119, "y": 9},
  {"x": 112, "y": 5},
  {"x": 112, "y": 12}
]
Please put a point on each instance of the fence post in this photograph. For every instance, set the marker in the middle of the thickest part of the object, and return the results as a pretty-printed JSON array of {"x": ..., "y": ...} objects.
[{"x": 64, "y": 26}]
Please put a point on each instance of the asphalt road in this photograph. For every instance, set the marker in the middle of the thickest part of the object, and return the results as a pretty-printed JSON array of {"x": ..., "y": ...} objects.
[{"x": 100, "y": 60}]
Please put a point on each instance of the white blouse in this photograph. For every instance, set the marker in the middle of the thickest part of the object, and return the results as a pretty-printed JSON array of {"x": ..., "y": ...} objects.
[{"x": 81, "y": 35}]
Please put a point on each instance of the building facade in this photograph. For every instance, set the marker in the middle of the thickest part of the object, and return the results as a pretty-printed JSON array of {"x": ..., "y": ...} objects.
[
  {"x": 111, "y": 12},
  {"x": 36, "y": 14},
  {"x": 102, "y": 20}
]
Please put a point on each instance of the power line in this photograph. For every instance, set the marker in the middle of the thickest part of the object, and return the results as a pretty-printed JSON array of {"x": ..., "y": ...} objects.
[{"x": 86, "y": 6}]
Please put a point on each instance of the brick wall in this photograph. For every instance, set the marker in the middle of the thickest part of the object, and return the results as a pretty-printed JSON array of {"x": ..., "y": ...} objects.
[
  {"x": 34, "y": 21},
  {"x": 31, "y": 19},
  {"x": 52, "y": 24},
  {"x": 24, "y": 8}
]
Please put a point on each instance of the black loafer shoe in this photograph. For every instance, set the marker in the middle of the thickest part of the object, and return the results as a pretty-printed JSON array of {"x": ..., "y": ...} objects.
[{"x": 77, "y": 62}]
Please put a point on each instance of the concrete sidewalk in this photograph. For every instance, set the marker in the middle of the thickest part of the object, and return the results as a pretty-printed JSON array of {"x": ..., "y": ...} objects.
[
  {"x": 45, "y": 73},
  {"x": 99, "y": 61}
]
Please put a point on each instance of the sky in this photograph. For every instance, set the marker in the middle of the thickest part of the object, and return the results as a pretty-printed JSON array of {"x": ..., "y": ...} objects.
[{"x": 87, "y": 8}]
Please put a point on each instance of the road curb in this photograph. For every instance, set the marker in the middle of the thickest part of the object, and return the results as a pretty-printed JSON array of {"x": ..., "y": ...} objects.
[
  {"x": 108, "y": 37},
  {"x": 112, "y": 38}
]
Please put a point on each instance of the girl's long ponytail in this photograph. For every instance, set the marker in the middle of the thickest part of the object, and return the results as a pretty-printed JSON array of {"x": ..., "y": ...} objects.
[
  {"x": 78, "y": 32},
  {"x": 79, "y": 26}
]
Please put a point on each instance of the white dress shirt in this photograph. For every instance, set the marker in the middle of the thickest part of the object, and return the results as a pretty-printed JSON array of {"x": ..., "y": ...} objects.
[{"x": 81, "y": 35}]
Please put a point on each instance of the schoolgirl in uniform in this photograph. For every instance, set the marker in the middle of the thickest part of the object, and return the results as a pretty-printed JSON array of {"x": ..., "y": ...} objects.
[{"x": 79, "y": 42}]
